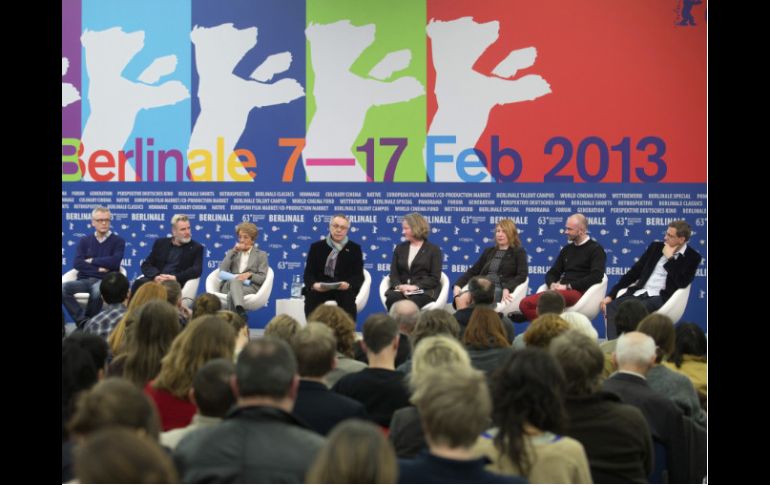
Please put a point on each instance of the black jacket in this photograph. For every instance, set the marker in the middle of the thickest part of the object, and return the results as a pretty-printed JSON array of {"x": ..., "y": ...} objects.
[
  {"x": 190, "y": 264},
  {"x": 349, "y": 267},
  {"x": 681, "y": 271},
  {"x": 425, "y": 272},
  {"x": 513, "y": 268},
  {"x": 256, "y": 444}
]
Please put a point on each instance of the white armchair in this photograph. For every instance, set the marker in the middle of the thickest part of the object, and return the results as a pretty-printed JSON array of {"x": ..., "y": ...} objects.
[
  {"x": 590, "y": 303},
  {"x": 675, "y": 306},
  {"x": 250, "y": 302},
  {"x": 363, "y": 294},
  {"x": 518, "y": 294},
  {"x": 72, "y": 275},
  {"x": 189, "y": 291},
  {"x": 440, "y": 302}
]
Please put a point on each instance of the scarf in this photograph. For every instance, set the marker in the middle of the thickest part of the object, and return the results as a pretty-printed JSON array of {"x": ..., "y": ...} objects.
[{"x": 331, "y": 260}]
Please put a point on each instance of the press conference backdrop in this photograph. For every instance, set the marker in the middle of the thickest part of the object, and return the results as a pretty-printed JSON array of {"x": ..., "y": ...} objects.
[{"x": 284, "y": 112}]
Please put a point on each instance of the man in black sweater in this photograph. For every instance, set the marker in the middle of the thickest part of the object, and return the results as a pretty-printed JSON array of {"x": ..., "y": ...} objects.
[{"x": 580, "y": 265}]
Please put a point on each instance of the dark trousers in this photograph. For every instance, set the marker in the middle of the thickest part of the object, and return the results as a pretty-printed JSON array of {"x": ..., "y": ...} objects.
[
  {"x": 346, "y": 299},
  {"x": 652, "y": 303},
  {"x": 392, "y": 296}
]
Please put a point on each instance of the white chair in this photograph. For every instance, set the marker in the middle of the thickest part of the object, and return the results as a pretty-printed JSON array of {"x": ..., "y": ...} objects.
[
  {"x": 675, "y": 306},
  {"x": 590, "y": 303},
  {"x": 189, "y": 291},
  {"x": 82, "y": 298},
  {"x": 363, "y": 294},
  {"x": 440, "y": 302},
  {"x": 518, "y": 294},
  {"x": 251, "y": 302}
]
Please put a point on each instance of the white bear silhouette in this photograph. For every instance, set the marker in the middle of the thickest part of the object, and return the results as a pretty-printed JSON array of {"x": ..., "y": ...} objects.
[{"x": 69, "y": 93}]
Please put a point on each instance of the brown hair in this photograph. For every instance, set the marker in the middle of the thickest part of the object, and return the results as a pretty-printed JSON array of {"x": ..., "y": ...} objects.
[
  {"x": 661, "y": 329},
  {"x": 282, "y": 326},
  {"x": 682, "y": 229},
  {"x": 356, "y": 452},
  {"x": 314, "y": 347},
  {"x": 249, "y": 228},
  {"x": 434, "y": 322},
  {"x": 340, "y": 322},
  {"x": 544, "y": 329},
  {"x": 156, "y": 326},
  {"x": 203, "y": 339},
  {"x": 485, "y": 330},
  {"x": 206, "y": 304},
  {"x": 147, "y": 292}
]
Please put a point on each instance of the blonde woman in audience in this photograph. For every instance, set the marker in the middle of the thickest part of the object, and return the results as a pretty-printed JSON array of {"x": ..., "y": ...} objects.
[
  {"x": 438, "y": 351},
  {"x": 147, "y": 292},
  {"x": 203, "y": 339},
  {"x": 544, "y": 329},
  {"x": 283, "y": 327},
  {"x": 430, "y": 323},
  {"x": 664, "y": 380},
  {"x": 689, "y": 357},
  {"x": 242, "y": 335},
  {"x": 528, "y": 399},
  {"x": 344, "y": 329},
  {"x": 356, "y": 452}
]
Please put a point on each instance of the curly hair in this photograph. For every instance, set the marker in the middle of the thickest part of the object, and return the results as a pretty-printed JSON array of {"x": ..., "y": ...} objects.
[
  {"x": 338, "y": 320},
  {"x": 543, "y": 329}
]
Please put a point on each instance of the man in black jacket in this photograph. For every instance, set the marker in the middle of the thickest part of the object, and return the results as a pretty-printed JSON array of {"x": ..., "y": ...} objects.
[
  {"x": 176, "y": 258},
  {"x": 663, "y": 268},
  {"x": 335, "y": 259}
]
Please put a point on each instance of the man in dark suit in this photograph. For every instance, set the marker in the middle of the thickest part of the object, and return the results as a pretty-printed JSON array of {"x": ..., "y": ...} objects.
[
  {"x": 663, "y": 268},
  {"x": 176, "y": 258},
  {"x": 634, "y": 356},
  {"x": 316, "y": 352},
  {"x": 335, "y": 259}
]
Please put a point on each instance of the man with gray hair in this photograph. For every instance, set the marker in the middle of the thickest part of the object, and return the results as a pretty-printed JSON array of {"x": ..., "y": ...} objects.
[
  {"x": 259, "y": 441},
  {"x": 615, "y": 435},
  {"x": 177, "y": 258},
  {"x": 580, "y": 265},
  {"x": 634, "y": 356},
  {"x": 334, "y": 270},
  {"x": 97, "y": 254}
]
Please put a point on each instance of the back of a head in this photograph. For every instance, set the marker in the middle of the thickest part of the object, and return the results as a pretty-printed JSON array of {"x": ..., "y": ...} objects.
[
  {"x": 581, "y": 360},
  {"x": 581, "y": 323},
  {"x": 635, "y": 350},
  {"x": 173, "y": 290},
  {"x": 454, "y": 405},
  {"x": 233, "y": 319},
  {"x": 485, "y": 330},
  {"x": 435, "y": 322},
  {"x": 528, "y": 389},
  {"x": 340, "y": 322},
  {"x": 114, "y": 401},
  {"x": 661, "y": 329},
  {"x": 82, "y": 356},
  {"x": 690, "y": 340},
  {"x": 379, "y": 332},
  {"x": 206, "y": 304},
  {"x": 114, "y": 287},
  {"x": 282, "y": 326},
  {"x": 120, "y": 455},
  {"x": 550, "y": 301},
  {"x": 147, "y": 292},
  {"x": 266, "y": 368},
  {"x": 211, "y": 388},
  {"x": 149, "y": 339},
  {"x": 356, "y": 452},
  {"x": 482, "y": 290},
  {"x": 435, "y": 352},
  {"x": 630, "y": 313},
  {"x": 545, "y": 328},
  {"x": 405, "y": 313},
  {"x": 314, "y": 347}
]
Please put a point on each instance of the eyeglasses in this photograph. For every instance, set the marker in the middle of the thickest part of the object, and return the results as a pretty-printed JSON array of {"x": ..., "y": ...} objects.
[
  {"x": 338, "y": 226},
  {"x": 672, "y": 236},
  {"x": 102, "y": 221}
]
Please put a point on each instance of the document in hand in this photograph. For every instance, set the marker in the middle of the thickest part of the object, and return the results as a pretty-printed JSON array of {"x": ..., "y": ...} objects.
[
  {"x": 331, "y": 285},
  {"x": 418, "y": 291}
]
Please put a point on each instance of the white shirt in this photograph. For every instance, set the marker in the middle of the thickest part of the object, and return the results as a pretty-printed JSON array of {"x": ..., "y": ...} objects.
[
  {"x": 244, "y": 262},
  {"x": 657, "y": 280}
]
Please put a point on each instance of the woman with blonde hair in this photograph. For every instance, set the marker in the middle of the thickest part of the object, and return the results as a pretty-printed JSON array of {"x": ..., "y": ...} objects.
[
  {"x": 344, "y": 329},
  {"x": 405, "y": 430},
  {"x": 242, "y": 335},
  {"x": 415, "y": 271},
  {"x": 356, "y": 452},
  {"x": 282, "y": 326},
  {"x": 203, "y": 339},
  {"x": 147, "y": 292},
  {"x": 504, "y": 264}
]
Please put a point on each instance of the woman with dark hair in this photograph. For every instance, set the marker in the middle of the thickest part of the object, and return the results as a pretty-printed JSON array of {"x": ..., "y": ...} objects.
[
  {"x": 528, "y": 397},
  {"x": 504, "y": 264},
  {"x": 415, "y": 271},
  {"x": 486, "y": 341},
  {"x": 689, "y": 356}
]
